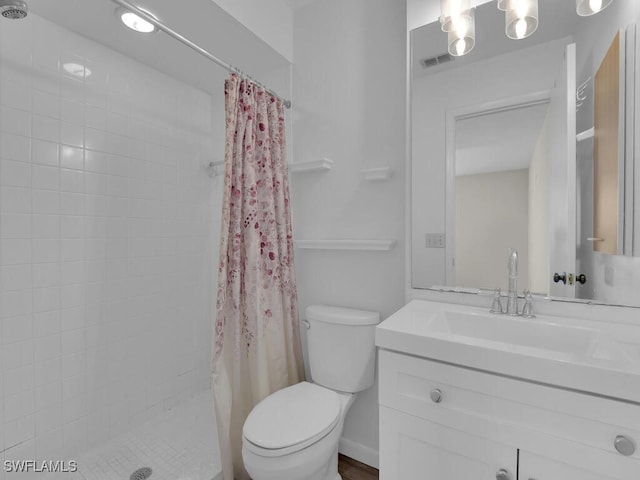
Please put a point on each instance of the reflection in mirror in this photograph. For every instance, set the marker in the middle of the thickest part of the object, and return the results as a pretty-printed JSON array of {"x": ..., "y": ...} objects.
[
  {"x": 501, "y": 170},
  {"x": 475, "y": 137}
]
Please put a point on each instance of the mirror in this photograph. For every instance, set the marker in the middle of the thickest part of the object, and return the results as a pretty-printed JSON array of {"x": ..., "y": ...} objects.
[{"x": 508, "y": 144}]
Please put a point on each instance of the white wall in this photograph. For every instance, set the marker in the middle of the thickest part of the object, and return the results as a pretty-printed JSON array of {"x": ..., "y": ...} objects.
[
  {"x": 270, "y": 20},
  {"x": 106, "y": 244},
  {"x": 501, "y": 77},
  {"x": 486, "y": 204},
  {"x": 349, "y": 105}
]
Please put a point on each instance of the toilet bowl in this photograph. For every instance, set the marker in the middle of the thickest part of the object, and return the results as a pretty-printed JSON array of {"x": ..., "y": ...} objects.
[
  {"x": 293, "y": 434},
  {"x": 308, "y": 421}
]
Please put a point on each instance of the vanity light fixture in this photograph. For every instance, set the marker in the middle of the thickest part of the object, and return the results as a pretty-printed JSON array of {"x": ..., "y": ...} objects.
[
  {"x": 134, "y": 22},
  {"x": 591, "y": 7},
  {"x": 458, "y": 20},
  {"x": 521, "y": 18},
  {"x": 462, "y": 35},
  {"x": 452, "y": 12}
]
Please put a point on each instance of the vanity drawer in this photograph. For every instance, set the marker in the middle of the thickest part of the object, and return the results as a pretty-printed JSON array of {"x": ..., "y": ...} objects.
[{"x": 506, "y": 410}]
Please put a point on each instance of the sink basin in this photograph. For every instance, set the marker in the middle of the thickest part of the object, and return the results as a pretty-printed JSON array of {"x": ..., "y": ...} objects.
[
  {"x": 514, "y": 331},
  {"x": 601, "y": 358}
]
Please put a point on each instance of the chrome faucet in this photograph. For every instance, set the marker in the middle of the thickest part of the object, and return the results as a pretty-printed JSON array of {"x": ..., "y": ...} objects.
[{"x": 512, "y": 294}]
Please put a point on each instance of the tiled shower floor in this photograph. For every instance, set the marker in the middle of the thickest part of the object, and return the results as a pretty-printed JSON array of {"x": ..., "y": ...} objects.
[{"x": 180, "y": 445}]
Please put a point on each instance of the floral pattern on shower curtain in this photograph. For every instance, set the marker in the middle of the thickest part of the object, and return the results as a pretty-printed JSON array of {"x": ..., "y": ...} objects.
[{"x": 257, "y": 345}]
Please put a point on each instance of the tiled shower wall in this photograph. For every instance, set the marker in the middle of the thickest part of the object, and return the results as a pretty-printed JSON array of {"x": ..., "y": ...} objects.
[{"x": 107, "y": 221}]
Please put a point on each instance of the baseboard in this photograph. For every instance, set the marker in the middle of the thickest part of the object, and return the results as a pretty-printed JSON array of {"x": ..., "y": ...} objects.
[{"x": 366, "y": 455}]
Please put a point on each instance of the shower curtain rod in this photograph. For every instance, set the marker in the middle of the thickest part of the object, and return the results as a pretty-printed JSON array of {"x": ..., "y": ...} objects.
[{"x": 172, "y": 33}]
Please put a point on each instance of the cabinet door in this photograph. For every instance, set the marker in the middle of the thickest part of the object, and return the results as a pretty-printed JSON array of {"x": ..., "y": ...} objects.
[
  {"x": 534, "y": 467},
  {"x": 413, "y": 448}
]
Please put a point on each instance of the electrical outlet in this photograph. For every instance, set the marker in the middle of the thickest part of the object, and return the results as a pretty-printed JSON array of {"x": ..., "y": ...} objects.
[{"x": 434, "y": 240}]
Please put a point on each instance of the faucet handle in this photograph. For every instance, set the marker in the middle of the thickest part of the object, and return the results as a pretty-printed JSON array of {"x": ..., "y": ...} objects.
[
  {"x": 527, "y": 310},
  {"x": 496, "y": 306}
]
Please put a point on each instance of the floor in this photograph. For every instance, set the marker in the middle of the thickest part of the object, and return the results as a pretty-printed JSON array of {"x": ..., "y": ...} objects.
[
  {"x": 353, "y": 470},
  {"x": 178, "y": 445}
]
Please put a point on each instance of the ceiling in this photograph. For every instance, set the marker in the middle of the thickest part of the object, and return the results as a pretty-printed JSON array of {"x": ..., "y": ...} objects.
[
  {"x": 297, "y": 4},
  {"x": 203, "y": 22},
  {"x": 558, "y": 19},
  {"x": 499, "y": 141}
]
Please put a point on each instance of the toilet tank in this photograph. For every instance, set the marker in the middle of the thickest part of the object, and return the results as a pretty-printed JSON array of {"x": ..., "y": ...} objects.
[{"x": 341, "y": 347}]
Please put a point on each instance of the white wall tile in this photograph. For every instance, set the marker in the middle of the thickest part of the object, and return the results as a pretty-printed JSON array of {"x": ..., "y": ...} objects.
[
  {"x": 71, "y": 157},
  {"x": 15, "y": 200},
  {"x": 46, "y": 299},
  {"x": 45, "y": 250},
  {"x": 15, "y": 277},
  {"x": 16, "y": 355},
  {"x": 15, "y": 225},
  {"x": 89, "y": 192},
  {"x": 46, "y": 274},
  {"x": 48, "y": 371},
  {"x": 16, "y": 328},
  {"x": 72, "y": 111},
  {"x": 15, "y": 147},
  {"x": 15, "y": 174},
  {"x": 47, "y": 348},
  {"x": 72, "y": 134},
  {"x": 17, "y": 122},
  {"x": 46, "y": 104},
  {"x": 15, "y": 95},
  {"x": 44, "y": 153},
  {"x": 95, "y": 161},
  {"x": 46, "y": 128},
  {"x": 71, "y": 181},
  {"x": 46, "y": 324},
  {"x": 45, "y": 177},
  {"x": 14, "y": 303},
  {"x": 15, "y": 251}
]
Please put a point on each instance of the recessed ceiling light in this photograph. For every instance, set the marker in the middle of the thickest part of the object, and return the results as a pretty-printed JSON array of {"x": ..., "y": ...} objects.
[
  {"x": 76, "y": 70},
  {"x": 135, "y": 22}
]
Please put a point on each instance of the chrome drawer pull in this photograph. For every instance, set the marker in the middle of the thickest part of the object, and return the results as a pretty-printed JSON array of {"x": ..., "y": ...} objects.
[
  {"x": 436, "y": 395},
  {"x": 624, "y": 445},
  {"x": 503, "y": 474}
]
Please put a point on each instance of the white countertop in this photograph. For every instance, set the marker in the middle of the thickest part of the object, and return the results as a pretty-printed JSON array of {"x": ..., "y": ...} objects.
[{"x": 610, "y": 368}]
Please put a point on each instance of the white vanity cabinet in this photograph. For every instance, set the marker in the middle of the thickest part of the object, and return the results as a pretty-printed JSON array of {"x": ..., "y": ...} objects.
[
  {"x": 440, "y": 421},
  {"x": 413, "y": 448},
  {"x": 534, "y": 467}
]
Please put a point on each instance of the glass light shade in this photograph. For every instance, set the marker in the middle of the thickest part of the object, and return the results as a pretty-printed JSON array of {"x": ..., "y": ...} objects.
[
  {"x": 521, "y": 18},
  {"x": 451, "y": 10},
  {"x": 503, "y": 5},
  {"x": 462, "y": 35},
  {"x": 591, "y": 7}
]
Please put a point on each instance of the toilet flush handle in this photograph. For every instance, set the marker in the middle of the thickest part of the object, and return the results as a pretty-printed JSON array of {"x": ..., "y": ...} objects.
[{"x": 307, "y": 324}]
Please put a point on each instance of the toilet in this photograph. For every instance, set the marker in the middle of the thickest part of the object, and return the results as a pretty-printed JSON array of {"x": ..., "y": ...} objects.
[{"x": 293, "y": 434}]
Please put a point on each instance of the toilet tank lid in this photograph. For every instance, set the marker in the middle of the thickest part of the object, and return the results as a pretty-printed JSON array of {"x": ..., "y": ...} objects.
[{"x": 341, "y": 315}]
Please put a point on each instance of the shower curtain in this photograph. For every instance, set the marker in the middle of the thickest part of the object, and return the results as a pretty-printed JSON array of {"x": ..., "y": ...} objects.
[{"x": 257, "y": 346}]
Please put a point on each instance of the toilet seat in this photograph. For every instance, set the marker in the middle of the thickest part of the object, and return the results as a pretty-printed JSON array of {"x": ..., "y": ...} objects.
[{"x": 291, "y": 420}]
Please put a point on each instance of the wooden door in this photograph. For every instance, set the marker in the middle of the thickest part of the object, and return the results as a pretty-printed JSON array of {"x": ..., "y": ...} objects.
[{"x": 608, "y": 171}]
